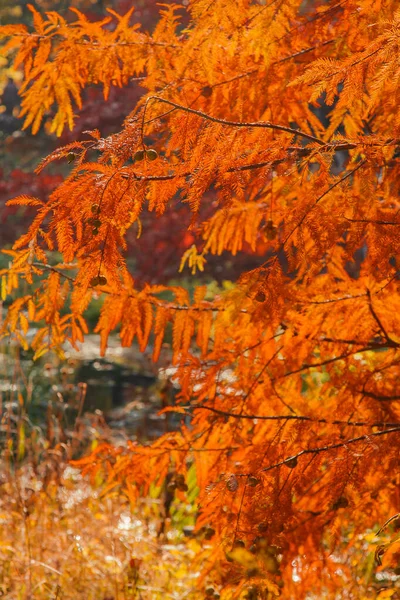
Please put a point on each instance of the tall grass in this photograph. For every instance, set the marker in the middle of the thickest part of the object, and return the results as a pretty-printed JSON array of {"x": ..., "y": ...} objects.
[{"x": 60, "y": 538}]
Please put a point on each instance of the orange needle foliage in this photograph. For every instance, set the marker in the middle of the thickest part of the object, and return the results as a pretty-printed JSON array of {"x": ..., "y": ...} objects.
[{"x": 291, "y": 377}]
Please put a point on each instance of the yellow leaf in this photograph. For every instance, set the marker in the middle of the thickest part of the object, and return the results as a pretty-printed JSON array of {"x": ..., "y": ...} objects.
[
  {"x": 386, "y": 593},
  {"x": 243, "y": 557}
]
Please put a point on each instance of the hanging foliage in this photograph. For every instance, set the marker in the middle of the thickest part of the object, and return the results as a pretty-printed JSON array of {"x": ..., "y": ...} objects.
[{"x": 282, "y": 117}]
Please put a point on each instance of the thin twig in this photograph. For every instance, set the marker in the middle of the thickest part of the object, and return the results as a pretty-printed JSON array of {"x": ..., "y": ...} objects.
[
  {"x": 332, "y": 447},
  {"x": 379, "y": 397},
  {"x": 255, "y": 124},
  {"x": 389, "y": 341},
  {"x": 373, "y": 221},
  {"x": 292, "y": 417}
]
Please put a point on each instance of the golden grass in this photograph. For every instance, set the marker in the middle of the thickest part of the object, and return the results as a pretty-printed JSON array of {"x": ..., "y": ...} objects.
[{"x": 60, "y": 539}]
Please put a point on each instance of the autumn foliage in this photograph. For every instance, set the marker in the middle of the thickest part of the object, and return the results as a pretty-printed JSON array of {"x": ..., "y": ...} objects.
[{"x": 289, "y": 379}]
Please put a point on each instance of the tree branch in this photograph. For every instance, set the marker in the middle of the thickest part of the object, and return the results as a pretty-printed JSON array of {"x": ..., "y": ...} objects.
[
  {"x": 256, "y": 124},
  {"x": 389, "y": 341},
  {"x": 375, "y": 222},
  {"x": 355, "y": 440},
  {"x": 379, "y": 397},
  {"x": 292, "y": 417}
]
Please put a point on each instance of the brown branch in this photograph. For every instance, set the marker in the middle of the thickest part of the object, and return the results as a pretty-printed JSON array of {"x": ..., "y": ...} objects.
[
  {"x": 328, "y": 361},
  {"x": 316, "y": 17},
  {"x": 292, "y": 417},
  {"x": 241, "y": 76},
  {"x": 257, "y": 379},
  {"x": 345, "y": 69},
  {"x": 329, "y": 447},
  {"x": 94, "y": 45},
  {"x": 330, "y": 300},
  {"x": 342, "y": 341},
  {"x": 331, "y": 187},
  {"x": 249, "y": 167},
  {"x": 375, "y": 222},
  {"x": 256, "y": 124},
  {"x": 301, "y": 52},
  {"x": 152, "y": 300},
  {"x": 389, "y": 341},
  {"x": 191, "y": 449},
  {"x": 386, "y": 523},
  {"x": 46, "y": 267},
  {"x": 379, "y": 397},
  {"x": 191, "y": 308},
  {"x": 256, "y": 69}
]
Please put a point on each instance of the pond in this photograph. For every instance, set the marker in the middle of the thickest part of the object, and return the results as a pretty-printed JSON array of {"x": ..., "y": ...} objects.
[{"x": 125, "y": 390}]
